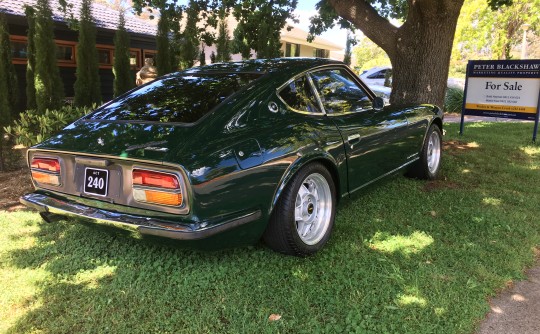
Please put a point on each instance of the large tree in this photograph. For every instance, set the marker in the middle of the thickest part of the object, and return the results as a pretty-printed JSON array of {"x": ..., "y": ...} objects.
[
  {"x": 255, "y": 18},
  {"x": 419, "y": 49},
  {"x": 49, "y": 86},
  {"x": 260, "y": 23},
  {"x": 87, "y": 85}
]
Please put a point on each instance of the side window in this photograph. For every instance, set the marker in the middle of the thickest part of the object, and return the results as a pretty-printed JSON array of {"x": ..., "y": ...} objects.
[
  {"x": 298, "y": 95},
  {"x": 378, "y": 75},
  {"x": 339, "y": 92}
]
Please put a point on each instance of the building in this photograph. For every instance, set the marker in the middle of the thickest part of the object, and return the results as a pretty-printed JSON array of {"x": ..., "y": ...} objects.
[{"x": 142, "y": 43}]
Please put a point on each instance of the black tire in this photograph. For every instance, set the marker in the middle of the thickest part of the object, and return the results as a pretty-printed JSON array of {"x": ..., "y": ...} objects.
[
  {"x": 316, "y": 214},
  {"x": 429, "y": 164}
]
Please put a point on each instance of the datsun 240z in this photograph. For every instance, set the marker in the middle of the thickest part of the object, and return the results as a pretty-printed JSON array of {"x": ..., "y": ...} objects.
[{"x": 233, "y": 152}]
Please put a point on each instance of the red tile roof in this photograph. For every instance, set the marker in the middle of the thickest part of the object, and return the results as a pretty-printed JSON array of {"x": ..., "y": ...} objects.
[{"x": 104, "y": 16}]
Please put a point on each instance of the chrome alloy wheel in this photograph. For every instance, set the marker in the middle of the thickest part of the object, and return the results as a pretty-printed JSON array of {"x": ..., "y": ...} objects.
[
  {"x": 434, "y": 152},
  {"x": 313, "y": 209}
]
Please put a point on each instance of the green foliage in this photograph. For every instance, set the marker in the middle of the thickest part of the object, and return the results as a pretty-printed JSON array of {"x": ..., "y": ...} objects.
[
  {"x": 351, "y": 41},
  {"x": 453, "y": 101},
  {"x": 189, "y": 47},
  {"x": 202, "y": 57},
  {"x": 428, "y": 263},
  {"x": 31, "y": 58},
  {"x": 369, "y": 55},
  {"x": 8, "y": 77},
  {"x": 212, "y": 57},
  {"x": 240, "y": 43},
  {"x": 48, "y": 84},
  {"x": 259, "y": 26},
  {"x": 87, "y": 85},
  {"x": 163, "y": 61},
  {"x": 33, "y": 126},
  {"x": 123, "y": 80},
  {"x": 493, "y": 34},
  {"x": 223, "y": 44}
]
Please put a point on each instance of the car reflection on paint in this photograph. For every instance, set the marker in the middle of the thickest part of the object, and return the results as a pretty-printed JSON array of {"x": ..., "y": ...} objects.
[{"x": 231, "y": 153}]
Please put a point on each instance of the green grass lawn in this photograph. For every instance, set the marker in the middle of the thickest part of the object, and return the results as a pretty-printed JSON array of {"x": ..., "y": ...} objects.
[{"x": 406, "y": 256}]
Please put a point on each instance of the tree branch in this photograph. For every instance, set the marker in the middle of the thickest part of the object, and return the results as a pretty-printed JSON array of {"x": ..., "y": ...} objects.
[{"x": 363, "y": 16}]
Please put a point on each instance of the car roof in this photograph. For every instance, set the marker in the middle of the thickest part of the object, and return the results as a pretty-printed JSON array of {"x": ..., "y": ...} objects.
[{"x": 288, "y": 65}]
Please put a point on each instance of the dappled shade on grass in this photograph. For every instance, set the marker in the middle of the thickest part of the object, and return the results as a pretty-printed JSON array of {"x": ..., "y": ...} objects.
[{"x": 404, "y": 257}]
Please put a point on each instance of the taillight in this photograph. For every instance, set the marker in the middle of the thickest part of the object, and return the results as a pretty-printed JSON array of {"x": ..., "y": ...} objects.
[
  {"x": 156, "y": 188},
  {"x": 46, "y": 171}
]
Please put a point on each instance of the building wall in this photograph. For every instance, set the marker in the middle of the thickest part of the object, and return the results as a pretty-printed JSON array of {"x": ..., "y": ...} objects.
[{"x": 142, "y": 45}]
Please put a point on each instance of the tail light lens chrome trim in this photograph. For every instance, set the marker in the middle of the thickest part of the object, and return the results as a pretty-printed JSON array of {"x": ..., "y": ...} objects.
[
  {"x": 157, "y": 187},
  {"x": 46, "y": 170}
]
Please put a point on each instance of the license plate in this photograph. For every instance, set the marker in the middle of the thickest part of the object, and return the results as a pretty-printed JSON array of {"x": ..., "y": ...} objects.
[{"x": 96, "y": 181}]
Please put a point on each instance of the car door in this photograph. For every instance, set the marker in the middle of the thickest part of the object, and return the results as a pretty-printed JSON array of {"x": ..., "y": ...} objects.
[{"x": 371, "y": 137}]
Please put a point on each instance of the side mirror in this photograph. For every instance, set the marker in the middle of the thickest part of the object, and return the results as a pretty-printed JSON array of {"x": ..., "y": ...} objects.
[{"x": 378, "y": 103}]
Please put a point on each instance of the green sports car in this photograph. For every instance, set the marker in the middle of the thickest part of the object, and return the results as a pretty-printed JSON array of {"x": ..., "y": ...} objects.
[{"x": 228, "y": 153}]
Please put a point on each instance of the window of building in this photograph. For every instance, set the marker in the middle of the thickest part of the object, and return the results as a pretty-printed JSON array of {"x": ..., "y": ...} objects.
[
  {"x": 321, "y": 53},
  {"x": 105, "y": 56},
  {"x": 65, "y": 53},
  {"x": 19, "y": 50},
  {"x": 292, "y": 50},
  {"x": 135, "y": 58}
]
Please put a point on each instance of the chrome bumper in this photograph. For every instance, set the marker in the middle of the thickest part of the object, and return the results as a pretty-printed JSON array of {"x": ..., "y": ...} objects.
[{"x": 48, "y": 205}]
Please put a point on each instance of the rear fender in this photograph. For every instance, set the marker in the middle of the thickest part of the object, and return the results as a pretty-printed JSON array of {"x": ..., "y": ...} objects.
[{"x": 323, "y": 157}]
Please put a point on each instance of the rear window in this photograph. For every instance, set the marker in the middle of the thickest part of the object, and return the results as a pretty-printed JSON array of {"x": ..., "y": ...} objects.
[{"x": 183, "y": 99}]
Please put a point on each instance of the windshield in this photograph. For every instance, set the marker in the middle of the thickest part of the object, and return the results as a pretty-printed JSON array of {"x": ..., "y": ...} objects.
[{"x": 175, "y": 98}]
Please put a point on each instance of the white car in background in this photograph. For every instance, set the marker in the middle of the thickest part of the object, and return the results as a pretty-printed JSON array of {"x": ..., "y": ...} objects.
[
  {"x": 375, "y": 75},
  {"x": 382, "y": 91}
]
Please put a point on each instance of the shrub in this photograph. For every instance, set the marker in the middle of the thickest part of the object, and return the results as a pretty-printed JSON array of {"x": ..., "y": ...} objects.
[
  {"x": 33, "y": 126},
  {"x": 453, "y": 101}
]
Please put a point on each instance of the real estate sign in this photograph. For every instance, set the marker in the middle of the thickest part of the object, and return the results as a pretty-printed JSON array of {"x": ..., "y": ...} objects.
[{"x": 503, "y": 88}]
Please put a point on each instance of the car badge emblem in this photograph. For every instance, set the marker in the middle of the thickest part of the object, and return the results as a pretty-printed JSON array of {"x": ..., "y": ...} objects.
[{"x": 100, "y": 141}]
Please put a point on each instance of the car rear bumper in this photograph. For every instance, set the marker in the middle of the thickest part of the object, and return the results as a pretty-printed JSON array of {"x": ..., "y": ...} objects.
[{"x": 49, "y": 206}]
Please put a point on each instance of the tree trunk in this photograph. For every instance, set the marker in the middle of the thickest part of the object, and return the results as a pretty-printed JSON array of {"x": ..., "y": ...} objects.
[
  {"x": 422, "y": 54},
  {"x": 419, "y": 50}
]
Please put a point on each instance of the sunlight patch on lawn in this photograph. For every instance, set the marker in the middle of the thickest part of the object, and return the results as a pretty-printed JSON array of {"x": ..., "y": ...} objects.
[
  {"x": 91, "y": 278},
  {"x": 491, "y": 201},
  {"x": 411, "y": 300},
  {"x": 406, "y": 245},
  {"x": 531, "y": 150}
]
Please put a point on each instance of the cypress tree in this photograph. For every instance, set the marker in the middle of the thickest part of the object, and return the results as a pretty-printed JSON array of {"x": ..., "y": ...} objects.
[
  {"x": 49, "y": 86},
  {"x": 163, "y": 60},
  {"x": 190, "y": 42},
  {"x": 240, "y": 43},
  {"x": 8, "y": 85},
  {"x": 87, "y": 85},
  {"x": 348, "y": 48},
  {"x": 212, "y": 57},
  {"x": 223, "y": 45},
  {"x": 121, "y": 67},
  {"x": 9, "y": 92},
  {"x": 202, "y": 57},
  {"x": 31, "y": 58}
]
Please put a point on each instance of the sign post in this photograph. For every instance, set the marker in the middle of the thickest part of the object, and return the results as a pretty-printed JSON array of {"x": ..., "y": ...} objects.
[{"x": 504, "y": 89}]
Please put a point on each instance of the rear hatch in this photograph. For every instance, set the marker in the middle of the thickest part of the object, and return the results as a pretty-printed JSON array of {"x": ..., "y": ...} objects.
[{"x": 125, "y": 152}]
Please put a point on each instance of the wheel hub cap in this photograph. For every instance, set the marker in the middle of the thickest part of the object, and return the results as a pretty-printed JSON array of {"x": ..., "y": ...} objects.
[{"x": 313, "y": 209}]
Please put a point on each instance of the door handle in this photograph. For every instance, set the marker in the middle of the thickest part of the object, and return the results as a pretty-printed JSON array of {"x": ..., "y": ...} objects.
[{"x": 353, "y": 139}]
